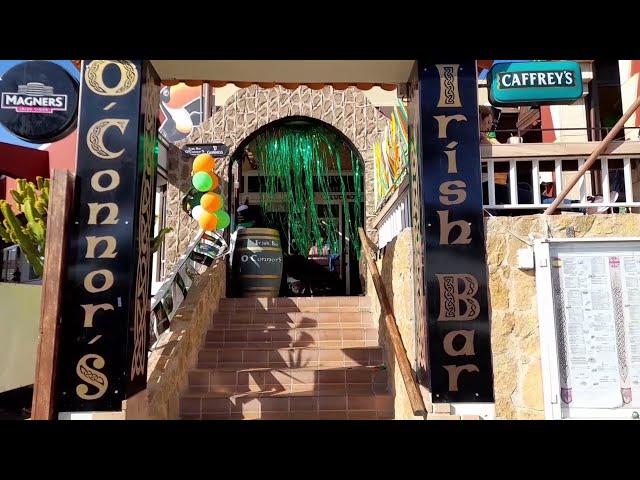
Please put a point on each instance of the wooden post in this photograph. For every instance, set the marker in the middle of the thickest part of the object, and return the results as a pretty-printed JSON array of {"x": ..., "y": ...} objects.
[
  {"x": 594, "y": 156},
  {"x": 60, "y": 199},
  {"x": 413, "y": 391}
]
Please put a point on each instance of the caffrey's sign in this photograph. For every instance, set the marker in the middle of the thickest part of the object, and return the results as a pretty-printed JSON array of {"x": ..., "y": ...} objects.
[
  {"x": 534, "y": 83},
  {"x": 105, "y": 317},
  {"x": 455, "y": 269}
]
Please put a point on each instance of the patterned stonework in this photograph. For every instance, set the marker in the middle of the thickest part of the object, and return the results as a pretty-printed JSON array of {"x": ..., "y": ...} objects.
[{"x": 251, "y": 108}]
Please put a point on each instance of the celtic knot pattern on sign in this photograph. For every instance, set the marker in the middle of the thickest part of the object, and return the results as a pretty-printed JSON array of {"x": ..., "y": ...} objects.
[
  {"x": 618, "y": 308},
  {"x": 150, "y": 100},
  {"x": 449, "y": 297},
  {"x": 563, "y": 344},
  {"x": 449, "y": 86},
  {"x": 128, "y": 71}
]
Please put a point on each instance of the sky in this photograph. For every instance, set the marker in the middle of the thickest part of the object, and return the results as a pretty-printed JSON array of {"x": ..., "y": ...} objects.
[{"x": 5, "y": 135}]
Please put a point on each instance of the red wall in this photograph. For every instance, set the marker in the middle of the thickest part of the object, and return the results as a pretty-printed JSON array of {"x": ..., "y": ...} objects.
[{"x": 62, "y": 155}]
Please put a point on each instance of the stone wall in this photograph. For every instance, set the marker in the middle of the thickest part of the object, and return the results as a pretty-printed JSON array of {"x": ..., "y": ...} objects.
[
  {"x": 395, "y": 267},
  {"x": 347, "y": 110},
  {"x": 514, "y": 310},
  {"x": 178, "y": 348}
]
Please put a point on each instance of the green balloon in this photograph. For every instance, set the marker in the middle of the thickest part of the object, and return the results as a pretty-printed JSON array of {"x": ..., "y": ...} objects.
[
  {"x": 223, "y": 219},
  {"x": 202, "y": 181}
]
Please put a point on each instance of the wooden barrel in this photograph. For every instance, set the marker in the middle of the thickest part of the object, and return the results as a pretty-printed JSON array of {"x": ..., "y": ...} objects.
[{"x": 257, "y": 262}]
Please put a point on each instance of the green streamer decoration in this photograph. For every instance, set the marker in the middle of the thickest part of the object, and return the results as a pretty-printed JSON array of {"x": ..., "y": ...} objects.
[{"x": 295, "y": 162}]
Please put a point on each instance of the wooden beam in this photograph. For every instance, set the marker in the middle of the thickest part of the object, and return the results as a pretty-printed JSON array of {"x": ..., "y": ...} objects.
[
  {"x": 413, "y": 391},
  {"x": 60, "y": 200}
]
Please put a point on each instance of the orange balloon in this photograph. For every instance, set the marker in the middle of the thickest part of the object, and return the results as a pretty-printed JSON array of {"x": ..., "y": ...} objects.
[
  {"x": 208, "y": 222},
  {"x": 211, "y": 202},
  {"x": 203, "y": 163},
  {"x": 216, "y": 180}
]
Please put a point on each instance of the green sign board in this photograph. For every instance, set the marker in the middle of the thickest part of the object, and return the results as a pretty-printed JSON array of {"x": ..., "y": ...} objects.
[{"x": 534, "y": 83}]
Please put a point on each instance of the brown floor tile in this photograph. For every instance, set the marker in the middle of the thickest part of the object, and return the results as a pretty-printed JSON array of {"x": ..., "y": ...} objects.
[
  {"x": 333, "y": 415},
  {"x": 274, "y": 416},
  {"x": 332, "y": 403},
  {"x": 349, "y": 301},
  {"x": 189, "y": 416},
  {"x": 198, "y": 379},
  {"x": 298, "y": 404},
  {"x": 215, "y": 416},
  {"x": 362, "y": 415},
  {"x": 361, "y": 402},
  {"x": 190, "y": 405},
  {"x": 215, "y": 405},
  {"x": 331, "y": 376},
  {"x": 275, "y": 404},
  {"x": 359, "y": 389}
]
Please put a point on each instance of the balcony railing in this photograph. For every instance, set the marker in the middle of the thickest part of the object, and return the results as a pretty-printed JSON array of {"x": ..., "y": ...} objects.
[
  {"x": 531, "y": 183},
  {"x": 598, "y": 133}
]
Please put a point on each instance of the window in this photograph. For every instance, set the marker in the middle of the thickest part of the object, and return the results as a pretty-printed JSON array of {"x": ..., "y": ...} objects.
[
  {"x": 10, "y": 257},
  {"x": 604, "y": 100}
]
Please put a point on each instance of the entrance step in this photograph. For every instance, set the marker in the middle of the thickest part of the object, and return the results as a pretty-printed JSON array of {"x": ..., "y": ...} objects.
[
  {"x": 291, "y": 319},
  {"x": 325, "y": 381},
  {"x": 351, "y": 336},
  {"x": 292, "y": 405},
  {"x": 295, "y": 304},
  {"x": 290, "y": 358},
  {"x": 297, "y": 357}
]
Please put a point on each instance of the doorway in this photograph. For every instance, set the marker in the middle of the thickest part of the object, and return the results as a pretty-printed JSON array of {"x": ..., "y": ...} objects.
[{"x": 314, "y": 198}]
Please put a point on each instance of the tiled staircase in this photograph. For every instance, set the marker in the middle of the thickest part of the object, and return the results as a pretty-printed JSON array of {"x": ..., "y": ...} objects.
[{"x": 290, "y": 358}]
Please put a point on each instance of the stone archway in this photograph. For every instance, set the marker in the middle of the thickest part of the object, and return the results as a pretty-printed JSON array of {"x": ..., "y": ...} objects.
[{"x": 349, "y": 111}]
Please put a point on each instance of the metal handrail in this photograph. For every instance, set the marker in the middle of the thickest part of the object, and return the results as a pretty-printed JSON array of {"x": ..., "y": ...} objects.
[{"x": 179, "y": 271}]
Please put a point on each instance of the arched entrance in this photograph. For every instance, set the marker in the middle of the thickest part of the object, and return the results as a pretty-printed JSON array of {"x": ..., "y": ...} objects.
[
  {"x": 305, "y": 178},
  {"x": 347, "y": 111}
]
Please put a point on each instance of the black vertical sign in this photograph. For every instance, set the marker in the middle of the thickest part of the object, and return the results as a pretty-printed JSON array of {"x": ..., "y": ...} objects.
[
  {"x": 104, "y": 336},
  {"x": 455, "y": 270}
]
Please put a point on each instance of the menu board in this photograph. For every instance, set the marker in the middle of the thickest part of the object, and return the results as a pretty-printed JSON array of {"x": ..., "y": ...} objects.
[{"x": 596, "y": 298}]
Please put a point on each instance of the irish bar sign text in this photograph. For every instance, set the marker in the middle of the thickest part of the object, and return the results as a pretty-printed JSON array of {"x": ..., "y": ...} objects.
[{"x": 454, "y": 265}]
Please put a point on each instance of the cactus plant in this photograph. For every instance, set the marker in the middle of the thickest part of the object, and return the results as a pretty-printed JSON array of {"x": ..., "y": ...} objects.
[{"x": 30, "y": 232}]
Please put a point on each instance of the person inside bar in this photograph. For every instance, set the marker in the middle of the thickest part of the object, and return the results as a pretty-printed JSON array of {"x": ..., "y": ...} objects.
[{"x": 488, "y": 124}]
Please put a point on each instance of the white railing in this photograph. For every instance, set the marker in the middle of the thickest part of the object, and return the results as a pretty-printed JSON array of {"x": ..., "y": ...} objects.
[
  {"x": 593, "y": 192},
  {"x": 396, "y": 219}
]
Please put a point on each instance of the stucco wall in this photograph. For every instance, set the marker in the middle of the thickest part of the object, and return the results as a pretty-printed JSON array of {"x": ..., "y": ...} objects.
[{"x": 19, "y": 328}]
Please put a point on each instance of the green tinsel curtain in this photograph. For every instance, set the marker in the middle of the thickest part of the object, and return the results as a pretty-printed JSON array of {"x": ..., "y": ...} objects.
[{"x": 295, "y": 161}]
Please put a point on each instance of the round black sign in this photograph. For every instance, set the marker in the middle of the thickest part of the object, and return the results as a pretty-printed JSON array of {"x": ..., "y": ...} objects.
[{"x": 39, "y": 101}]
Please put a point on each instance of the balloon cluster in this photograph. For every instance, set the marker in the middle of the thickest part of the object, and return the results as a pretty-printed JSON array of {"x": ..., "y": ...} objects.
[{"x": 206, "y": 204}]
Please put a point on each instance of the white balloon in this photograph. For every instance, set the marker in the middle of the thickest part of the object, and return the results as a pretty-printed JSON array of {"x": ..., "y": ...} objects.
[{"x": 197, "y": 212}]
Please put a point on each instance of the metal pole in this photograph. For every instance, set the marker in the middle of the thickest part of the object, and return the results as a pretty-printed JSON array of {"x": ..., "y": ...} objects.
[{"x": 594, "y": 156}]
